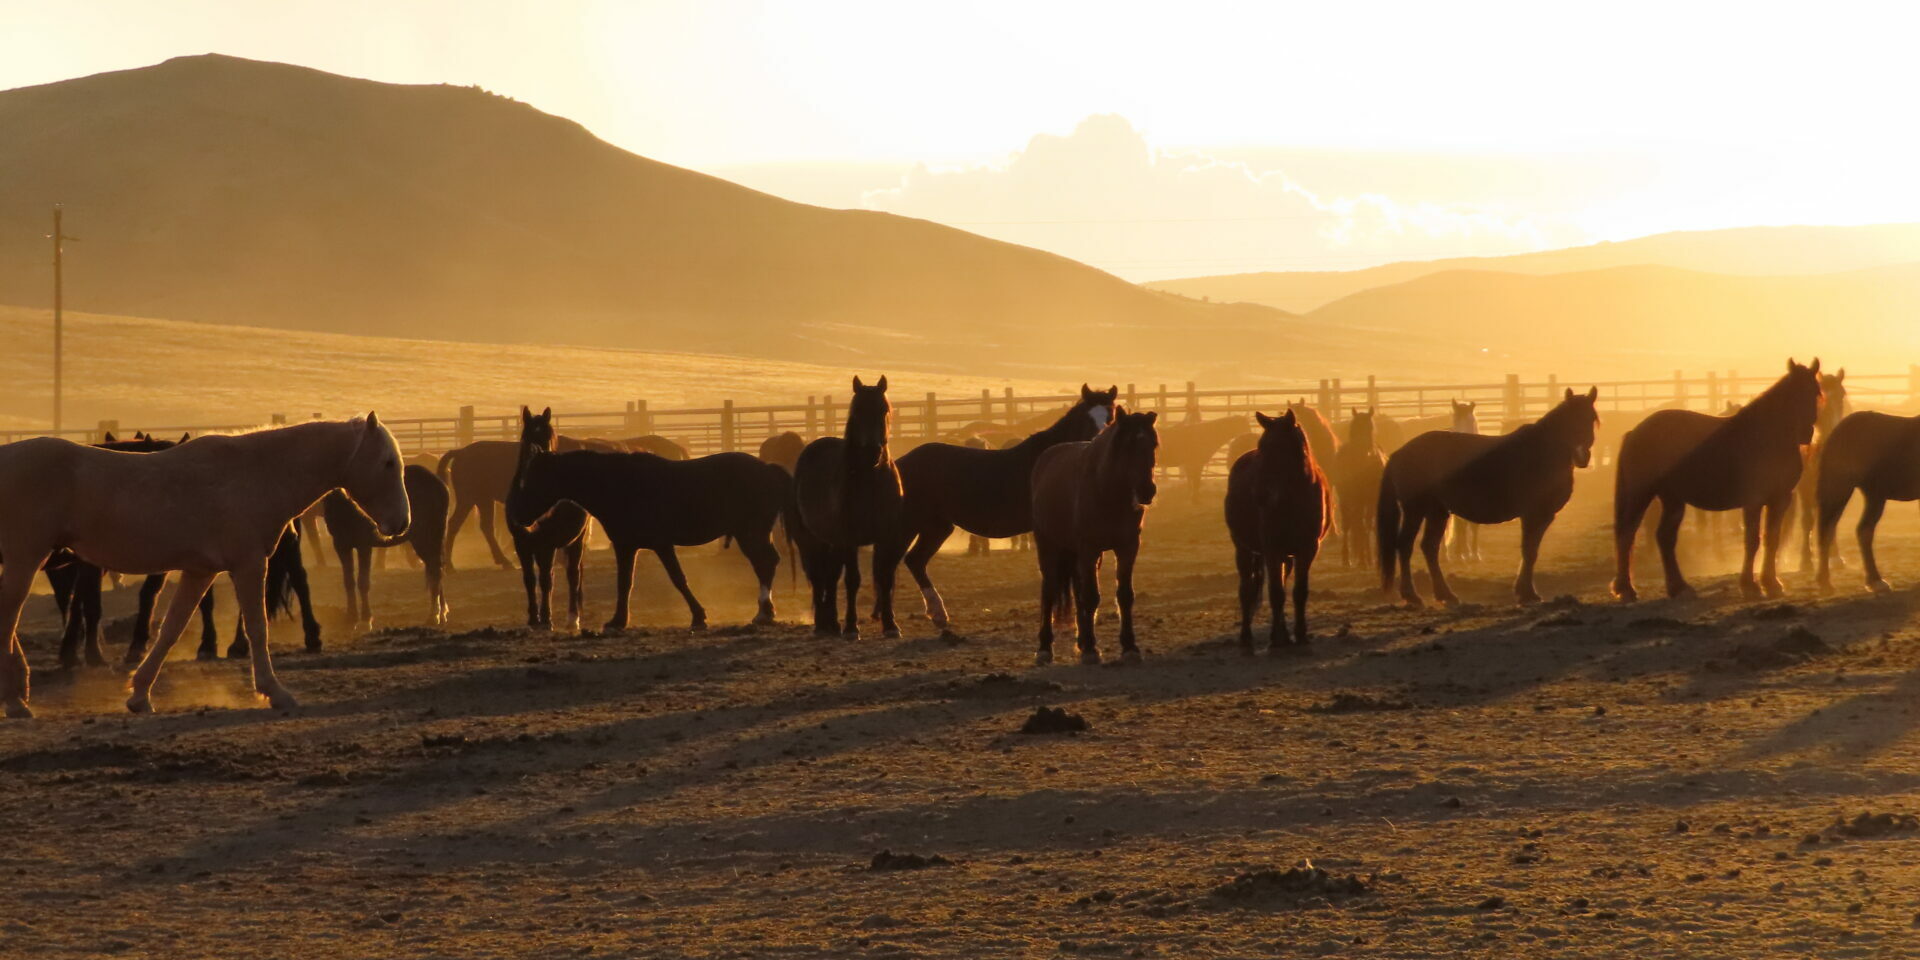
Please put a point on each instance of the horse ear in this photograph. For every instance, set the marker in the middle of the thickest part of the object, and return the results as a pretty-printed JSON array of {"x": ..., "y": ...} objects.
[
  {"x": 525, "y": 414},
  {"x": 373, "y": 421},
  {"x": 547, "y": 413},
  {"x": 1086, "y": 392},
  {"x": 882, "y": 385},
  {"x": 185, "y": 436},
  {"x": 1113, "y": 390},
  {"x": 1815, "y": 368},
  {"x": 1152, "y": 415},
  {"x": 1289, "y": 417},
  {"x": 856, "y": 382},
  {"x": 1791, "y": 366},
  {"x": 1841, "y": 375},
  {"x": 1569, "y": 395},
  {"x": 1593, "y": 394},
  {"x": 1261, "y": 419},
  {"x": 108, "y": 437}
]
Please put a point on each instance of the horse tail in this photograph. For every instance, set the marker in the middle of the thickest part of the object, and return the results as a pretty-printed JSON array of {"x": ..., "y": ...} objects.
[
  {"x": 280, "y": 572},
  {"x": 1386, "y": 528},
  {"x": 726, "y": 542},
  {"x": 446, "y": 462}
]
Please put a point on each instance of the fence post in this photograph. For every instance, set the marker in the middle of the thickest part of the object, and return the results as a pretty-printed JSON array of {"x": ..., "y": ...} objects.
[
  {"x": 827, "y": 419},
  {"x": 1733, "y": 386},
  {"x": 726, "y": 426},
  {"x": 1193, "y": 403},
  {"x": 813, "y": 417},
  {"x": 1010, "y": 407},
  {"x": 106, "y": 427},
  {"x": 1325, "y": 399},
  {"x": 1714, "y": 406},
  {"x": 1553, "y": 391},
  {"x": 1373, "y": 393},
  {"x": 1160, "y": 401},
  {"x": 1133, "y": 396},
  {"x": 1512, "y": 397},
  {"x": 930, "y": 425},
  {"x": 1679, "y": 390},
  {"x": 463, "y": 427},
  {"x": 986, "y": 404}
]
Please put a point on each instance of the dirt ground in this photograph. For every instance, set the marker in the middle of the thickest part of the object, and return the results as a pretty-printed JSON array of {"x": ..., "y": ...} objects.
[{"x": 1575, "y": 779}]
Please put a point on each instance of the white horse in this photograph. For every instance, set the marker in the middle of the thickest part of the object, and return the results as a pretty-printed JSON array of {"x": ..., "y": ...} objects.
[{"x": 215, "y": 505}]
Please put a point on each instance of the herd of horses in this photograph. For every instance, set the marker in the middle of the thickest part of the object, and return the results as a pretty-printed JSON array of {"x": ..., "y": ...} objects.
[{"x": 1078, "y": 481}]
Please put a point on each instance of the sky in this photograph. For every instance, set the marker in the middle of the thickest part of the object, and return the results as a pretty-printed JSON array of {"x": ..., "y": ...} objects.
[{"x": 1154, "y": 139}]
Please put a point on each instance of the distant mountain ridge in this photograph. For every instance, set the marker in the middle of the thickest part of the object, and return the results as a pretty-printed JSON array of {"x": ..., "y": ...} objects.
[
  {"x": 1746, "y": 251},
  {"x": 223, "y": 190}
]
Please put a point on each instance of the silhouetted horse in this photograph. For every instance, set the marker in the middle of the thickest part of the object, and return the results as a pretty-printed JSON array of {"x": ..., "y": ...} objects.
[
  {"x": 354, "y": 537},
  {"x": 1878, "y": 454},
  {"x": 1356, "y": 476},
  {"x": 846, "y": 495},
  {"x": 1807, "y": 494},
  {"x": 783, "y": 451},
  {"x": 1465, "y": 539},
  {"x": 1750, "y": 460},
  {"x": 564, "y": 527},
  {"x": 1440, "y": 474},
  {"x": 1090, "y": 497},
  {"x": 1279, "y": 507},
  {"x": 984, "y": 492},
  {"x": 977, "y": 545},
  {"x": 1188, "y": 447},
  {"x": 1321, "y": 439},
  {"x": 646, "y": 502},
  {"x": 655, "y": 444}
]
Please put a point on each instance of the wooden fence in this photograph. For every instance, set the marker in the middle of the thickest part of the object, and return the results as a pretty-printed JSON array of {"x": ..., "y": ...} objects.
[{"x": 731, "y": 426}]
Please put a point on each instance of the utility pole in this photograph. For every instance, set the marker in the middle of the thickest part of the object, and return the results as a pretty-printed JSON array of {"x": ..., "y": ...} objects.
[{"x": 58, "y": 323}]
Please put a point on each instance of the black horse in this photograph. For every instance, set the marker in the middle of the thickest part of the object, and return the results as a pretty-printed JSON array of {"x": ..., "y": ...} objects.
[
  {"x": 647, "y": 502},
  {"x": 988, "y": 493},
  {"x": 846, "y": 495}
]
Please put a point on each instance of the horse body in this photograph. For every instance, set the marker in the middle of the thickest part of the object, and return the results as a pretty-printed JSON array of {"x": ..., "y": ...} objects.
[
  {"x": 847, "y": 494},
  {"x": 1091, "y": 497},
  {"x": 1750, "y": 460},
  {"x": 1525, "y": 475},
  {"x": 986, "y": 492},
  {"x": 645, "y": 502},
  {"x": 652, "y": 443},
  {"x": 1879, "y": 455},
  {"x": 1279, "y": 508},
  {"x": 354, "y": 538},
  {"x": 1189, "y": 446},
  {"x": 216, "y": 505},
  {"x": 1806, "y": 494},
  {"x": 1357, "y": 469}
]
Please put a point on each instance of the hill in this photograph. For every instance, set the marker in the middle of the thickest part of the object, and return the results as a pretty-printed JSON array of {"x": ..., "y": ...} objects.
[
  {"x": 222, "y": 190},
  {"x": 1627, "y": 319},
  {"x": 1749, "y": 251},
  {"x": 146, "y": 372}
]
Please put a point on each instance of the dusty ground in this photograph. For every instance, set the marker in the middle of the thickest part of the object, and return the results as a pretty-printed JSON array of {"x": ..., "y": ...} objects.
[{"x": 1581, "y": 779}]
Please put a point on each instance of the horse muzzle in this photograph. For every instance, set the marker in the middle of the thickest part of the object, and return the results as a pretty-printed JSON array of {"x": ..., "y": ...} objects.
[{"x": 1144, "y": 496}]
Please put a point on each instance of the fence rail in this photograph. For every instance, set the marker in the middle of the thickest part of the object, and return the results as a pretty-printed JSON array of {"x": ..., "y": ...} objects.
[{"x": 729, "y": 426}]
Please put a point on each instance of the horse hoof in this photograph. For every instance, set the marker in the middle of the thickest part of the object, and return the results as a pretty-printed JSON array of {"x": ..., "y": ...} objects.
[
  {"x": 1043, "y": 658},
  {"x": 763, "y": 620},
  {"x": 313, "y": 646},
  {"x": 1130, "y": 655},
  {"x": 948, "y": 636},
  {"x": 700, "y": 627},
  {"x": 890, "y": 633},
  {"x": 17, "y": 709},
  {"x": 207, "y": 653},
  {"x": 1528, "y": 599},
  {"x": 280, "y": 700},
  {"x": 1879, "y": 586},
  {"x": 850, "y": 633},
  {"x": 1089, "y": 658},
  {"x": 139, "y": 703}
]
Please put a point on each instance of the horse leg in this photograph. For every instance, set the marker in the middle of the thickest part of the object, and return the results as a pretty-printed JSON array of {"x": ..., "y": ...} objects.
[
  {"x": 309, "y": 624},
  {"x": 1049, "y": 594},
  {"x": 209, "y": 633},
  {"x": 143, "y": 618},
  {"x": 543, "y": 568},
  {"x": 1776, "y": 517},
  {"x": 760, "y": 552},
  {"x": 186, "y": 596},
  {"x": 1870, "y": 512},
  {"x": 1666, "y": 536},
  {"x": 850, "y": 564},
  {"x": 436, "y": 587},
  {"x": 1086, "y": 602},
  {"x": 455, "y": 518},
  {"x": 925, "y": 546},
  {"x": 1302, "y": 565},
  {"x": 1123, "y": 558},
  {"x": 250, "y": 589},
  {"x": 87, "y": 593},
  {"x": 524, "y": 551},
  {"x": 16, "y": 581},
  {"x": 671, "y": 561},
  {"x": 1277, "y": 598},
  {"x": 1804, "y": 508},
  {"x": 1750, "y": 519},
  {"x": 345, "y": 553},
  {"x": 62, "y": 579},
  {"x": 886, "y": 565},
  {"x": 1532, "y": 529},
  {"x": 1247, "y": 563},
  {"x": 623, "y": 558},
  {"x": 486, "y": 530},
  {"x": 365, "y": 581},
  {"x": 1437, "y": 518},
  {"x": 1629, "y": 509},
  {"x": 1410, "y": 521}
]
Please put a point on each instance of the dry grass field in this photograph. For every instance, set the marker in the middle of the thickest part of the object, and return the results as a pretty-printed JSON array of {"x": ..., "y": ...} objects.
[
  {"x": 1671, "y": 779},
  {"x": 152, "y": 372}
]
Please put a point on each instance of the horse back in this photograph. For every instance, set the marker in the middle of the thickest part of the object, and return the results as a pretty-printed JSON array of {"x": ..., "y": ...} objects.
[
  {"x": 839, "y": 507},
  {"x": 1877, "y": 452},
  {"x": 482, "y": 470},
  {"x": 982, "y": 490},
  {"x": 1703, "y": 461},
  {"x": 1057, "y": 476}
]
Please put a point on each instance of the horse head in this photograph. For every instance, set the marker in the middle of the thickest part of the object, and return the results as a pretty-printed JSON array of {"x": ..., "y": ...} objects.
[
  {"x": 1799, "y": 396},
  {"x": 526, "y": 503},
  {"x": 869, "y": 419},
  {"x": 1360, "y": 428},
  {"x": 374, "y": 479},
  {"x": 1092, "y": 412},
  {"x": 1283, "y": 446},
  {"x": 1574, "y": 420},
  {"x": 1464, "y": 419},
  {"x": 1833, "y": 409},
  {"x": 1131, "y": 442}
]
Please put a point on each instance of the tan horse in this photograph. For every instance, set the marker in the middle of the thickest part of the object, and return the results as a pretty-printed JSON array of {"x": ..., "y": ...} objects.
[
  {"x": 1189, "y": 447},
  {"x": 1357, "y": 468},
  {"x": 216, "y": 505},
  {"x": 1807, "y": 495},
  {"x": 480, "y": 474}
]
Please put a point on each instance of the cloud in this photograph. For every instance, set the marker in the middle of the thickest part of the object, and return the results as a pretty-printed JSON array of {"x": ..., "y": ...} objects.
[{"x": 1103, "y": 194}]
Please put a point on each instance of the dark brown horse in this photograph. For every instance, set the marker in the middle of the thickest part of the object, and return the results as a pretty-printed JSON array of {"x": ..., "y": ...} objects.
[
  {"x": 479, "y": 475},
  {"x": 1189, "y": 447},
  {"x": 1090, "y": 497},
  {"x": 1279, "y": 507},
  {"x": 1324, "y": 443},
  {"x": 647, "y": 502},
  {"x": 354, "y": 537},
  {"x": 564, "y": 528},
  {"x": 1807, "y": 494},
  {"x": 1356, "y": 476},
  {"x": 652, "y": 443},
  {"x": 1441, "y": 474},
  {"x": 987, "y": 493},
  {"x": 846, "y": 495},
  {"x": 1750, "y": 460},
  {"x": 1879, "y": 455}
]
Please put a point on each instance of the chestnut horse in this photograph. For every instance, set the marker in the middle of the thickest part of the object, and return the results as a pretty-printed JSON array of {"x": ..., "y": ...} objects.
[
  {"x": 215, "y": 505},
  {"x": 1356, "y": 477},
  {"x": 1279, "y": 508},
  {"x": 846, "y": 495},
  {"x": 1749, "y": 460},
  {"x": 1090, "y": 497},
  {"x": 1440, "y": 474},
  {"x": 1189, "y": 447},
  {"x": 354, "y": 538},
  {"x": 1807, "y": 494},
  {"x": 986, "y": 492},
  {"x": 647, "y": 502},
  {"x": 1878, "y": 454}
]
